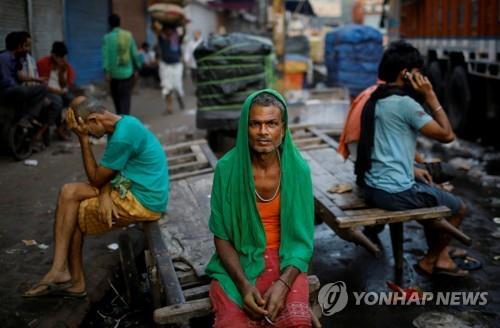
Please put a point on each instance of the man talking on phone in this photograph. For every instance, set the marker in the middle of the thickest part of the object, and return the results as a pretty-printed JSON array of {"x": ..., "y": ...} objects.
[
  {"x": 130, "y": 184},
  {"x": 391, "y": 120}
]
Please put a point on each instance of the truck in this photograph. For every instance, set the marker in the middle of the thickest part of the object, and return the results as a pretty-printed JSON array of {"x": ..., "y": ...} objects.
[{"x": 460, "y": 41}]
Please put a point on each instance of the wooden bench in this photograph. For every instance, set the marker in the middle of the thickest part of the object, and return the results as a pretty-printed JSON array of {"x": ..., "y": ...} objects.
[{"x": 346, "y": 212}]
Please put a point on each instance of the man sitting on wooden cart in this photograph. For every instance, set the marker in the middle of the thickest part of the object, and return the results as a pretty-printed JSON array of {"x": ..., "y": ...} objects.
[
  {"x": 262, "y": 217},
  {"x": 390, "y": 122},
  {"x": 129, "y": 185}
]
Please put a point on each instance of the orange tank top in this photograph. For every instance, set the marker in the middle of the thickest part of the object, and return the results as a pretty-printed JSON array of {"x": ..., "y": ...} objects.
[{"x": 270, "y": 216}]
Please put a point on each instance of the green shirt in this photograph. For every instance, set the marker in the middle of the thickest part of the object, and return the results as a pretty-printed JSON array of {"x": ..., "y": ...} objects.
[
  {"x": 119, "y": 54},
  {"x": 137, "y": 154}
]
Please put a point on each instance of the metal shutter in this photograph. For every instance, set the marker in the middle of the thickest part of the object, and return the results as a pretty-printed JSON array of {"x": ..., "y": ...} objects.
[
  {"x": 13, "y": 17},
  {"x": 85, "y": 26},
  {"x": 47, "y": 25}
]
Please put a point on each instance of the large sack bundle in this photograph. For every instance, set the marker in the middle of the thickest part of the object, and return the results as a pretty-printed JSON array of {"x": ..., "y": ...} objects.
[
  {"x": 230, "y": 67},
  {"x": 233, "y": 44},
  {"x": 167, "y": 13},
  {"x": 352, "y": 56}
]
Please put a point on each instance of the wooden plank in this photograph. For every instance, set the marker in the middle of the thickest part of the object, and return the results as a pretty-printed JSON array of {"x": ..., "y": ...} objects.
[
  {"x": 324, "y": 180},
  {"x": 209, "y": 154},
  {"x": 334, "y": 144},
  {"x": 181, "y": 313},
  {"x": 184, "y": 145},
  {"x": 186, "y": 226},
  {"x": 184, "y": 175},
  {"x": 188, "y": 166},
  {"x": 201, "y": 186},
  {"x": 166, "y": 271},
  {"x": 196, "y": 292},
  {"x": 308, "y": 141},
  {"x": 313, "y": 147},
  {"x": 200, "y": 156},
  {"x": 173, "y": 160},
  {"x": 393, "y": 216}
]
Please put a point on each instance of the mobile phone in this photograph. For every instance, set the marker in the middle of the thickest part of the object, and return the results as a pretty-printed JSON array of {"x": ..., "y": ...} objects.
[{"x": 407, "y": 76}]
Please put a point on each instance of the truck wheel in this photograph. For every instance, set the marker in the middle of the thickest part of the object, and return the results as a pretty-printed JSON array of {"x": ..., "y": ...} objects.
[
  {"x": 19, "y": 141},
  {"x": 457, "y": 98},
  {"x": 436, "y": 77}
]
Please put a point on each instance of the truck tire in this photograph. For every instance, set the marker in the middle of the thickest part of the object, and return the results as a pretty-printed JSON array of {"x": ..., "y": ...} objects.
[
  {"x": 458, "y": 98},
  {"x": 436, "y": 77}
]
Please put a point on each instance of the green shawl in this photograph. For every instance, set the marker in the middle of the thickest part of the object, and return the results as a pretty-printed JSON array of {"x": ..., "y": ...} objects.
[{"x": 234, "y": 215}]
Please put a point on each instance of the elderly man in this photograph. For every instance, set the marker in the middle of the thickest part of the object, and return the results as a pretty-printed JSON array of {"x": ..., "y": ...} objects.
[
  {"x": 130, "y": 184},
  {"x": 262, "y": 218}
]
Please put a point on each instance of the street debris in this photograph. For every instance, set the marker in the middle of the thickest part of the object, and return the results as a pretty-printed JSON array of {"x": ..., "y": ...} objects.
[
  {"x": 414, "y": 293},
  {"x": 496, "y": 257},
  {"x": 29, "y": 242},
  {"x": 496, "y": 234},
  {"x": 31, "y": 162},
  {"x": 446, "y": 320},
  {"x": 464, "y": 164},
  {"x": 113, "y": 246},
  {"x": 42, "y": 246},
  {"x": 496, "y": 220},
  {"x": 340, "y": 188}
]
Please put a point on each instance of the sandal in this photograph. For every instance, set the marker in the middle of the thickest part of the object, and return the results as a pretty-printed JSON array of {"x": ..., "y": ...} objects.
[
  {"x": 468, "y": 263},
  {"x": 69, "y": 294},
  {"x": 456, "y": 252},
  {"x": 455, "y": 272},
  {"x": 50, "y": 289}
]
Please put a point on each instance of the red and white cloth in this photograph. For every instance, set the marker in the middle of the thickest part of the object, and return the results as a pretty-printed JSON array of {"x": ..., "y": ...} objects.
[{"x": 295, "y": 314}]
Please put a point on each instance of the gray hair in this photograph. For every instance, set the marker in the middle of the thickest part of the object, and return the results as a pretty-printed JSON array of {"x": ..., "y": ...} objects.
[
  {"x": 267, "y": 99},
  {"x": 87, "y": 107}
]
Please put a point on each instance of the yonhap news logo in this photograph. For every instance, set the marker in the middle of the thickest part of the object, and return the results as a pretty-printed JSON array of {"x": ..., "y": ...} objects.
[{"x": 333, "y": 298}]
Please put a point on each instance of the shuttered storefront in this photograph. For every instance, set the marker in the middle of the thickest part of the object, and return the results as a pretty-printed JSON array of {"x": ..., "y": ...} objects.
[
  {"x": 13, "y": 17},
  {"x": 86, "y": 22},
  {"x": 47, "y": 25}
]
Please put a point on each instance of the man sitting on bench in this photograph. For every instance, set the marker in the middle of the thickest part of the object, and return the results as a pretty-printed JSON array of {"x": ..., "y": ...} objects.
[
  {"x": 262, "y": 217},
  {"x": 129, "y": 185},
  {"x": 390, "y": 121}
]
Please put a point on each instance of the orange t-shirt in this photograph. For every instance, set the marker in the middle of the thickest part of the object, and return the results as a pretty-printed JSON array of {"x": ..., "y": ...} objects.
[{"x": 270, "y": 216}]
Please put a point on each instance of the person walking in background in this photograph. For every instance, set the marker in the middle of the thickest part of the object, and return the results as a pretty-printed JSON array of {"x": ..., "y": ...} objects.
[
  {"x": 169, "y": 43},
  {"x": 189, "y": 59},
  {"x": 120, "y": 61},
  {"x": 149, "y": 62},
  {"x": 60, "y": 77}
]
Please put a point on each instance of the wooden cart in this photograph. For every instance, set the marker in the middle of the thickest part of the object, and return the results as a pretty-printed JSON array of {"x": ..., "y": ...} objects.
[{"x": 346, "y": 212}]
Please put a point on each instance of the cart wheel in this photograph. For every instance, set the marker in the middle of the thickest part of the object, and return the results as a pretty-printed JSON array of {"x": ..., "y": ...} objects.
[
  {"x": 19, "y": 141},
  {"x": 129, "y": 268}
]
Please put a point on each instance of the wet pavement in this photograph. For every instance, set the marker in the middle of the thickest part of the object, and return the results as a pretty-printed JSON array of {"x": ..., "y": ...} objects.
[
  {"x": 28, "y": 206},
  {"x": 337, "y": 260}
]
